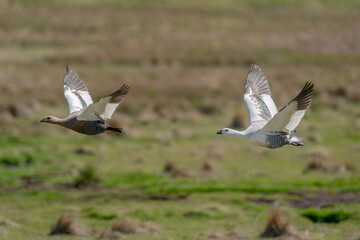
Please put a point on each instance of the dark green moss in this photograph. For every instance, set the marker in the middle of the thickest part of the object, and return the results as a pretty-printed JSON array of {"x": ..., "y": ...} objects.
[{"x": 327, "y": 216}]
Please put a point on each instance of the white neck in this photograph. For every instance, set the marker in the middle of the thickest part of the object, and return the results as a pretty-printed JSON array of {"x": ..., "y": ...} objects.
[{"x": 236, "y": 133}]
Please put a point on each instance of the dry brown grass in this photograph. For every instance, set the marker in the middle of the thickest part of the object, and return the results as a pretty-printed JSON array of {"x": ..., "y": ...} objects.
[
  {"x": 67, "y": 225},
  {"x": 7, "y": 222},
  {"x": 320, "y": 161},
  {"x": 125, "y": 226},
  {"x": 276, "y": 226},
  {"x": 208, "y": 166},
  {"x": 131, "y": 226},
  {"x": 174, "y": 170},
  {"x": 323, "y": 166}
]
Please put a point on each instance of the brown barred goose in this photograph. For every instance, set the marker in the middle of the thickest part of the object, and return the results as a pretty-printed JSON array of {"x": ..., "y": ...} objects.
[
  {"x": 86, "y": 116},
  {"x": 269, "y": 127}
]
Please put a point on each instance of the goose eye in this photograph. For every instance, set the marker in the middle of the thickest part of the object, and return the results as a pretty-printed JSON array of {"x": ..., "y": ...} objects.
[{"x": 226, "y": 130}]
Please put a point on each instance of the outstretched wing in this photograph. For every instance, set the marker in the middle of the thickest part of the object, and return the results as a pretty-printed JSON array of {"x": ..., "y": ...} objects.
[
  {"x": 257, "y": 96},
  {"x": 105, "y": 107},
  {"x": 289, "y": 117},
  {"x": 75, "y": 92}
]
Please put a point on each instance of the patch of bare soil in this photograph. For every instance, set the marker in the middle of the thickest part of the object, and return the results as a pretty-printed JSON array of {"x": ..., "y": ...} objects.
[
  {"x": 163, "y": 197},
  {"x": 36, "y": 180},
  {"x": 262, "y": 200},
  {"x": 231, "y": 234},
  {"x": 84, "y": 150},
  {"x": 322, "y": 199}
]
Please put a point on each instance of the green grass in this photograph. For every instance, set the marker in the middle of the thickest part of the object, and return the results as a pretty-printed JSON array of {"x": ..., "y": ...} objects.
[
  {"x": 102, "y": 216},
  {"x": 327, "y": 216}
]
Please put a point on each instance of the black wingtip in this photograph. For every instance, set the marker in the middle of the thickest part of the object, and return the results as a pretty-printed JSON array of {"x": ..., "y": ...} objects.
[
  {"x": 305, "y": 96},
  {"x": 308, "y": 87},
  {"x": 124, "y": 88},
  {"x": 67, "y": 69}
]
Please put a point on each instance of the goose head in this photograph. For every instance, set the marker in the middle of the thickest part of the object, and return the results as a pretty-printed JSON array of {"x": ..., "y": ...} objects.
[
  {"x": 49, "y": 119},
  {"x": 226, "y": 131}
]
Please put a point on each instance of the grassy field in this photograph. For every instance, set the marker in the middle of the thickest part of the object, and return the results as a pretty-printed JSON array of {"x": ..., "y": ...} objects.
[{"x": 170, "y": 176}]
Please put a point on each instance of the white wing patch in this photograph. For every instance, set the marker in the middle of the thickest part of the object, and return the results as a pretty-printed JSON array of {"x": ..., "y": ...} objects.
[
  {"x": 105, "y": 107},
  {"x": 295, "y": 120},
  {"x": 77, "y": 100},
  {"x": 290, "y": 116},
  {"x": 100, "y": 110},
  {"x": 75, "y": 92}
]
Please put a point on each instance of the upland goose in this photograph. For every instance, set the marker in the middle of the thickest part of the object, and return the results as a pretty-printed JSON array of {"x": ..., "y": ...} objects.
[
  {"x": 268, "y": 127},
  {"x": 86, "y": 116}
]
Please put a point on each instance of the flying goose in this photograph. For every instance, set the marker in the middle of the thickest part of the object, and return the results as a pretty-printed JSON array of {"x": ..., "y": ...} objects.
[
  {"x": 85, "y": 116},
  {"x": 268, "y": 127}
]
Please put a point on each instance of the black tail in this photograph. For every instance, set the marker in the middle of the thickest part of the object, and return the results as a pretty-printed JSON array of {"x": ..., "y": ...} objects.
[{"x": 112, "y": 130}]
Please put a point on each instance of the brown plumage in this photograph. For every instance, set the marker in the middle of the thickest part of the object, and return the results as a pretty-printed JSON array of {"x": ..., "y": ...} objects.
[
  {"x": 86, "y": 116},
  {"x": 119, "y": 95}
]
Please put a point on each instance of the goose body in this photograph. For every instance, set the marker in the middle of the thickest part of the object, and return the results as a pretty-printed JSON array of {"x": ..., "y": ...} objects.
[
  {"x": 269, "y": 127},
  {"x": 85, "y": 116}
]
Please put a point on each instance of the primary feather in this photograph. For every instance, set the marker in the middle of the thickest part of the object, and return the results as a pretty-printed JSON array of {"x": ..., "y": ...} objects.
[
  {"x": 257, "y": 96},
  {"x": 289, "y": 117},
  {"x": 105, "y": 107},
  {"x": 75, "y": 92}
]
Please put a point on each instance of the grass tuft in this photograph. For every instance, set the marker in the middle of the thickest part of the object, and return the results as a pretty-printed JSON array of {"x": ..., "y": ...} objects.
[
  {"x": 86, "y": 177},
  {"x": 67, "y": 225},
  {"x": 276, "y": 226},
  {"x": 16, "y": 160}
]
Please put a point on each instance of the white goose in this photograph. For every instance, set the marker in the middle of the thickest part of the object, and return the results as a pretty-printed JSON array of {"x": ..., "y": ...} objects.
[{"x": 268, "y": 127}]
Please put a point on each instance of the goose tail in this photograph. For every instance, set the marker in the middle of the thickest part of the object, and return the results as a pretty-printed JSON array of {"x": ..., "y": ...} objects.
[
  {"x": 112, "y": 130},
  {"x": 296, "y": 140}
]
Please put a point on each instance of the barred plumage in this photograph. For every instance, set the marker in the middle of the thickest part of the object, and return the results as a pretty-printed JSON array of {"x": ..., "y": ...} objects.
[{"x": 268, "y": 127}]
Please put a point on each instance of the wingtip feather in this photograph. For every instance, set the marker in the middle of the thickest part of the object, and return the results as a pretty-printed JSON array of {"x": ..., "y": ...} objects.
[
  {"x": 254, "y": 67},
  {"x": 119, "y": 95},
  {"x": 304, "y": 98},
  {"x": 125, "y": 88}
]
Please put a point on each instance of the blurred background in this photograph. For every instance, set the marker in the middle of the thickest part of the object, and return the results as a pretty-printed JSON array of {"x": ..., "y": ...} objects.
[{"x": 170, "y": 176}]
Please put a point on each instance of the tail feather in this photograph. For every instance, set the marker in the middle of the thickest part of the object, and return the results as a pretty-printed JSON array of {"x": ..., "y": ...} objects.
[
  {"x": 296, "y": 140},
  {"x": 112, "y": 130}
]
